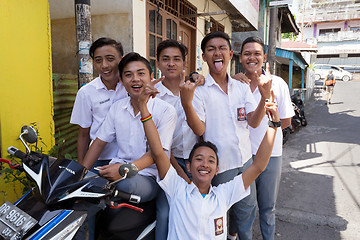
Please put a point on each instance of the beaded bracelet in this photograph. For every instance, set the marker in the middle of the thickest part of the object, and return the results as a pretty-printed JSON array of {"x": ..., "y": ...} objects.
[{"x": 146, "y": 118}]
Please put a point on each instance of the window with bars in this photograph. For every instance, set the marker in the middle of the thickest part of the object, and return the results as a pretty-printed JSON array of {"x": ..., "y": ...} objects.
[
  {"x": 324, "y": 32},
  {"x": 216, "y": 26},
  {"x": 163, "y": 23}
]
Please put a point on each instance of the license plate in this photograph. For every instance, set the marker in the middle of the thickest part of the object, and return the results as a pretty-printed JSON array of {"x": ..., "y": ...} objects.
[{"x": 14, "y": 222}]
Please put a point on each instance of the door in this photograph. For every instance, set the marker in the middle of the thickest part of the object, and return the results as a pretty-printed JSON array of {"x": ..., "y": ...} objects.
[{"x": 185, "y": 37}]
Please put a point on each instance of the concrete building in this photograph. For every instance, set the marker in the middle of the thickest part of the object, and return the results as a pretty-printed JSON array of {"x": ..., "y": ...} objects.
[
  {"x": 334, "y": 26},
  {"x": 141, "y": 24},
  {"x": 290, "y": 65}
]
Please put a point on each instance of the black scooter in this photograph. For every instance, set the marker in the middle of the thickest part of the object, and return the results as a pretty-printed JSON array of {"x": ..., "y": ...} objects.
[
  {"x": 299, "y": 118},
  {"x": 65, "y": 193}
]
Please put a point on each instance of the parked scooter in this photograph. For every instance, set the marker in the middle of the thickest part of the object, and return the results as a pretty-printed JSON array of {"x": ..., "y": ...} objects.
[
  {"x": 299, "y": 117},
  {"x": 65, "y": 193}
]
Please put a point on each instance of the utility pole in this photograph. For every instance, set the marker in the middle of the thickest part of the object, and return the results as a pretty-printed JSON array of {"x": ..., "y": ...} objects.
[
  {"x": 83, "y": 40},
  {"x": 272, "y": 39},
  {"x": 302, "y": 22}
]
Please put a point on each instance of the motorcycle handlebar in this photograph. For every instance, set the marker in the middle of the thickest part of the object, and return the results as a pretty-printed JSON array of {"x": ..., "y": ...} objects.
[
  {"x": 16, "y": 152},
  {"x": 127, "y": 196}
]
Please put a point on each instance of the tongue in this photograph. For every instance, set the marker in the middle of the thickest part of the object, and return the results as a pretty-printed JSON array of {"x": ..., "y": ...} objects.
[{"x": 218, "y": 66}]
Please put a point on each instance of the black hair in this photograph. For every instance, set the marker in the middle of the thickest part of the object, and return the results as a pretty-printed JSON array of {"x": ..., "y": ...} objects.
[
  {"x": 133, "y": 57},
  {"x": 104, "y": 42},
  {"x": 171, "y": 43},
  {"x": 204, "y": 144},
  {"x": 252, "y": 40},
  {"x": 212, "y": 35}
]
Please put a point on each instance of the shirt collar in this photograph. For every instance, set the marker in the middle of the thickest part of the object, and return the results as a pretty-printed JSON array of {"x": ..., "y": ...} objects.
[
  {"x": 129, "y": 107},
  {"x": 209, "y": 80},
  {"x": 192, "y": 188},
  {"x": 163, "y": 90},
  {"x": 100, "y": 85}
]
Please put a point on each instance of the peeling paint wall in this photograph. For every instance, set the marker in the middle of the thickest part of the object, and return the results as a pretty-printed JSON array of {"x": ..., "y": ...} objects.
[
  {"x": 25, "y": 77},
  {"x": 114, "y": 25}
]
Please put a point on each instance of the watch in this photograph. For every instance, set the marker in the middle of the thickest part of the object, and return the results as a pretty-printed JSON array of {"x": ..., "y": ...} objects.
[{"x": 274, "y": 124}]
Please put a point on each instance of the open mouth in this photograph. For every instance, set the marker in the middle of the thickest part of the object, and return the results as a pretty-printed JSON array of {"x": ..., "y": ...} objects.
[
  {"x": 218, "y": 64},
  {"x": 203, "y": 172},
  {"x": 136, "y": 87}
]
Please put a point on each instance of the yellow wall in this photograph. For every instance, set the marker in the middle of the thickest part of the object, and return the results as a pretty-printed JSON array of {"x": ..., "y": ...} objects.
[{"x": 25, "y": 76}]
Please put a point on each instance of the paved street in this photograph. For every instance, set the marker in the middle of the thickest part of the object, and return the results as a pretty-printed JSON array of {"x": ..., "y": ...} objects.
[{"x": 320, "y": 186}]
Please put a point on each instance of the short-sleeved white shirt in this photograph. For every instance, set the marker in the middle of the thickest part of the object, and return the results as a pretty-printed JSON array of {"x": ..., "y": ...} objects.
[
  {"x": 127, "y": 130},
  {"x": 184, "y": 138},
  {"x": 223, "y": 115},
  {"x": 283, "y": 101},
  {"x": 193, "y": 216},
  {"x": 92, "y": 103}
]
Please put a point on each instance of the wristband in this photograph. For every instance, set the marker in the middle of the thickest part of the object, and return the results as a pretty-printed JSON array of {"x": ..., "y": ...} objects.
[
  {"x": 146, "y": 118},
  {"x": 274, "y": 124}
]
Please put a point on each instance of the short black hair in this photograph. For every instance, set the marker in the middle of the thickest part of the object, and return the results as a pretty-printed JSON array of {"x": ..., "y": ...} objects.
[
  {"x": 104, "y": 42},
  {"x": 133, "y": 57},
  {"x": 252, "y": 40},
  {"x": 212, "y": 35},
  {"x": 204, "y": 144},
  {"x": 171, "y": 43}
]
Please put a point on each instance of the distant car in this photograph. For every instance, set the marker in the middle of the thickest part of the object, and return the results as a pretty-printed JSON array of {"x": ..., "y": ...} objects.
[{"x": 321, "y": 70}]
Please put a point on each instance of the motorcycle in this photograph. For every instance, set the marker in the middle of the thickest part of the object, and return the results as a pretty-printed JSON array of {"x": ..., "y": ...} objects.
[
  {"x": 299, "y": 118},
  {"x": 65, "y": 193}
]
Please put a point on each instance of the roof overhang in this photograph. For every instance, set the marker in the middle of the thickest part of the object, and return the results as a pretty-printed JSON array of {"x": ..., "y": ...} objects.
[
  {"x": 288, "y": 23},
  {"x": 283, "y": 56},
  {"x": 243, "y": 14}
]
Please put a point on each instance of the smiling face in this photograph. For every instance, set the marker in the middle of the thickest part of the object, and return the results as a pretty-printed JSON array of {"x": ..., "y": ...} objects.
[
  {"x": 203, "y": 166},
  {"x": 217, "y": 55},
  {"x": 252, "y": 57},
  {"x": 106, "y": 60},
  {"x": 171, "y": 63},
  {"x": 134, "y": 77}
]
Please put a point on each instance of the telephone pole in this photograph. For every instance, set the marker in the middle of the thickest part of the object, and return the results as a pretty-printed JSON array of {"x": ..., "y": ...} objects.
[
  {"x": 273, "y": 28},
  {"x": 83, "y": 40}
]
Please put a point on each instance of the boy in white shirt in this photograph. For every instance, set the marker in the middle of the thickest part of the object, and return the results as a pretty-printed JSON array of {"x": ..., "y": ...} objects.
[
  {"x": 123, "y": 124},
  {"x": 198, "y": 210},
  {"x": 221, "y": 111},
  {"x": 252, "y": 57},
  {"x": 94, "y": 99}
]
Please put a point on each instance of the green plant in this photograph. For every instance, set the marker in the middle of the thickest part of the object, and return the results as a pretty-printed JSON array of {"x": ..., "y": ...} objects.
[
  {"x": 290, "y": 36},
  {"x": 11, "y": 175},
  {"x": 311, "y": 66}
]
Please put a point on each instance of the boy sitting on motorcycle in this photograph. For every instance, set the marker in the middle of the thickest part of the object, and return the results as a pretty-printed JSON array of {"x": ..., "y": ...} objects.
[
  {"x": 198, "y": 210},
  {"x": 123, "y": 123}
]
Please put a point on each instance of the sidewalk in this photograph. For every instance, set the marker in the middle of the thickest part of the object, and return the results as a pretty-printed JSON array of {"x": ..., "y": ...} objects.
[{"x": 319, "y": 190}]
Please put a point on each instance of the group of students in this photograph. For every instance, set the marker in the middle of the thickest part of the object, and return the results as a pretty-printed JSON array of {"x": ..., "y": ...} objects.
[{"x": 199, "y": 145}]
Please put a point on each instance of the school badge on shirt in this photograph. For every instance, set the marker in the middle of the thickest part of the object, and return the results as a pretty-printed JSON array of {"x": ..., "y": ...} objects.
[
  {"x": 241, "y": 115},
  {"x": 219, "y": 226}
]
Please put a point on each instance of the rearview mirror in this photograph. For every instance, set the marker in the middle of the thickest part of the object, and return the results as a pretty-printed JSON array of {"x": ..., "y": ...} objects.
[{"x": 29, "y": 134}]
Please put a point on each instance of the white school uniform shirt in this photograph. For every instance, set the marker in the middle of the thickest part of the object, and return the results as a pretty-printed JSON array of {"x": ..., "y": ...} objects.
[
  {"x": 193, "y": 216},
  {"x": 92, "y": 103},
  {"x": 184, "y": 138},
  {"x": 225, "y": 121},
  {"x": 283, "y": 101},
  {"x": 127, "y": 130}
]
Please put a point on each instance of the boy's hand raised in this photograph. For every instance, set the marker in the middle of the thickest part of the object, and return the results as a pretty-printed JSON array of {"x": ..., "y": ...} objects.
[
  {"x": 149, "y": 90},
  {"x": 187, "y": 89},
  {"x": 271, "y": 108},
  {"x": 265, "y": 82}
]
